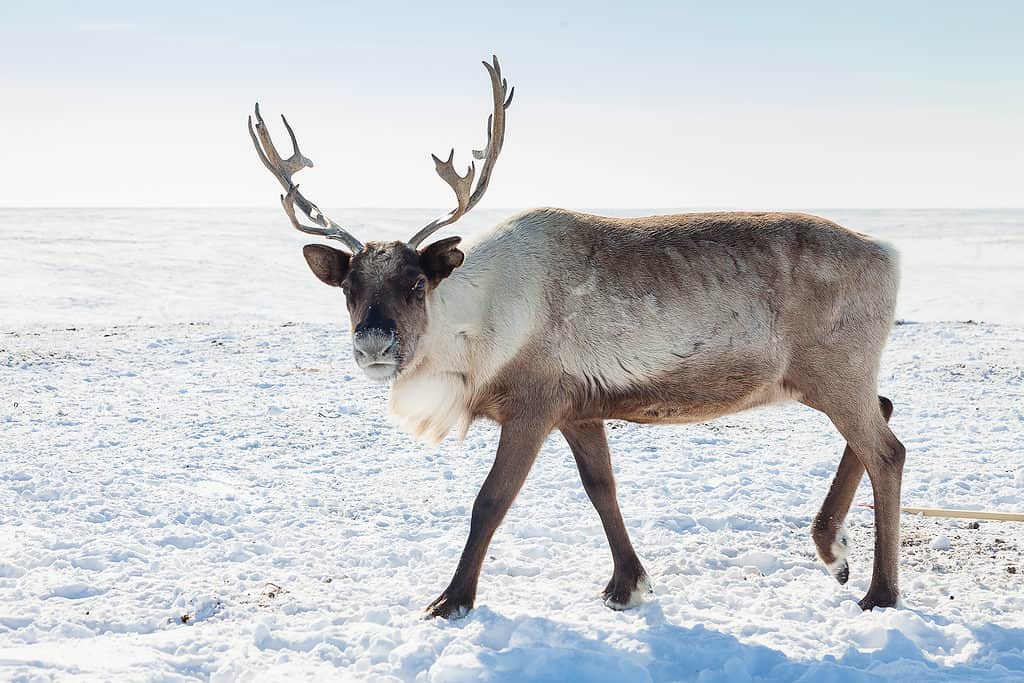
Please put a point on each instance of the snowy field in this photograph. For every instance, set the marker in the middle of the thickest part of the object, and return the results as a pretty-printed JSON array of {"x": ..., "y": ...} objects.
[{"x": 197, "y": 483}]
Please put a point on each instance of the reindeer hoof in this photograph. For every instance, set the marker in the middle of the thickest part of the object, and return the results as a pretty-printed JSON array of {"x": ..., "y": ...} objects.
[
  {"x": 448, "y": 607},
  {"x": 625, "y": 594},
  {"x": 878, "y": 599},
  {"x": 842, "y": 573},
  {"x": 839, "y": 567}
]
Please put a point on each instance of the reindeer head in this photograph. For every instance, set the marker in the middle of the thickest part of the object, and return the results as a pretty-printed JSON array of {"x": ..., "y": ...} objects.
[{"x": 386, "y": 284}]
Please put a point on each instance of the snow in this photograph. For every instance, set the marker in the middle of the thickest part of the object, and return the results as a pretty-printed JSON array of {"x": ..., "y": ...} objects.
[{"x": 197, "y": 483}]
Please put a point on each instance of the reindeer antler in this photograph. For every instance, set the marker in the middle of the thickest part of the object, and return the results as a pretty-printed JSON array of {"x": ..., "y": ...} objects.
[
  {"x": 283, "y": 169},
  {"x": 467, "y": 197}
]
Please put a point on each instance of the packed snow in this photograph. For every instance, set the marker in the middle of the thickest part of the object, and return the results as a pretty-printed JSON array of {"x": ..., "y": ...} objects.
[{"x": 197, "y": 483}]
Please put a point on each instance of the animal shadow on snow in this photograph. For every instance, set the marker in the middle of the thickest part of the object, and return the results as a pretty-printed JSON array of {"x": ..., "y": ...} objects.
[{"x": 546, "y": 650}]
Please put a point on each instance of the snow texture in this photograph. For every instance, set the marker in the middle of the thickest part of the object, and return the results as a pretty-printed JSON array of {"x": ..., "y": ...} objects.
[{"x": 197, "y": 483}]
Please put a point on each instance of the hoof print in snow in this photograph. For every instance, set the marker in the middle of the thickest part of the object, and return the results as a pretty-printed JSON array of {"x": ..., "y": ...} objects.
[
  {"x": 270, "y": 592},
  {"x": 199, "y": 610}
]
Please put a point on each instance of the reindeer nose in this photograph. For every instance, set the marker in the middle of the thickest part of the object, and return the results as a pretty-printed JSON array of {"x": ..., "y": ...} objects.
[{"x": 374, "y": 344}]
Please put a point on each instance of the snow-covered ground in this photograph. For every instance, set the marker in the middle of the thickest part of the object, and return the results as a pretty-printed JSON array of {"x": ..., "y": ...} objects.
[{"x": 195, "y": 482}]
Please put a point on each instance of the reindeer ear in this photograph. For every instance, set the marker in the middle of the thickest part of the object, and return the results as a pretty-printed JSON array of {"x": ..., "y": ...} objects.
[
  {"x": 327, "y": 263},
  {"x": 439, "y": 259}
]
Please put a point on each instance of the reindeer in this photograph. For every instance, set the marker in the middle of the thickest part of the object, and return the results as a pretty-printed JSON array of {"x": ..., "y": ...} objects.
[{"x": 559, "y": 320}]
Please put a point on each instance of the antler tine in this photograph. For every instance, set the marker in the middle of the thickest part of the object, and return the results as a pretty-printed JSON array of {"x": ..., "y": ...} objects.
[
  {"x": 263, "y": 155},
  {"x": 283, "y": 170},
  {"x": 502, "y": 97},
  {"x": 331, "y": 230},
  {"x": 495, "y": 129},
  {"x": 461, "y": 185},
  {"x": 296, "y": 162}
]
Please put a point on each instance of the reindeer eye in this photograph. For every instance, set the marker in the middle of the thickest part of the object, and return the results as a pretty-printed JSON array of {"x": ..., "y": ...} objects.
[{"x": 419, "y": 287}]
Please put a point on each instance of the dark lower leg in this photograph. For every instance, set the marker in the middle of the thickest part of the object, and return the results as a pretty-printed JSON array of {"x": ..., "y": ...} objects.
[
  {"x": 886, "y": 473},
  {"x": 828, "y": 523},
  {"x": 590, "y": 449},
  {"x": 517, "y": 449},
  {"x": 882, "y": 455}
]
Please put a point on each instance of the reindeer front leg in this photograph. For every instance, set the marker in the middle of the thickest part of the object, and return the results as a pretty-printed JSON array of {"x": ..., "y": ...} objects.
[
  {"x": 518, "y": 446},
  {"x": 589, "y": 446}
]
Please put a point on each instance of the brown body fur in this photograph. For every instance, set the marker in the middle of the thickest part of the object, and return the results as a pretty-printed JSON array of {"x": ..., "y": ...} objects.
[{"x": 817, "y": 297}]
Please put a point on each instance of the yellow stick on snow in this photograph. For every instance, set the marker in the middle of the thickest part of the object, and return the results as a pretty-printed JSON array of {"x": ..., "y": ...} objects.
[{"x": 966, "y": 514}]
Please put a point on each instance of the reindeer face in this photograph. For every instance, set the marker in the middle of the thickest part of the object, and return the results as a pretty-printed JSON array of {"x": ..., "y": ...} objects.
[{"x": 386, "y": 285}]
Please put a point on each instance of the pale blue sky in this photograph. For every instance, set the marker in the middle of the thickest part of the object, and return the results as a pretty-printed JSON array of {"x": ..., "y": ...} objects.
[{"x": 737, "y": 105}]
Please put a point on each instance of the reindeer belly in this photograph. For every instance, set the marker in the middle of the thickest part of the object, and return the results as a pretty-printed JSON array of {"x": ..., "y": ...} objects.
[{"x": 696, "y": 393}]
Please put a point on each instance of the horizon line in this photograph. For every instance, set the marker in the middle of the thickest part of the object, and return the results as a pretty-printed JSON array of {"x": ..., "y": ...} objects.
[{"x": 701, "y": 207}]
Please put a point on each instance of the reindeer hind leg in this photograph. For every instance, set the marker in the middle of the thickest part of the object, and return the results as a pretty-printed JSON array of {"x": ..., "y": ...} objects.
[
  {"x": 829, "y": 529},
  {"x": 863, "y": 423}
]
